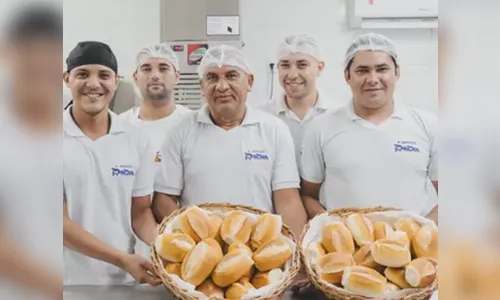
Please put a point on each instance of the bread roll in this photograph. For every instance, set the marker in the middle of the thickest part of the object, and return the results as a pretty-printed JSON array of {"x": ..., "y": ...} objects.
[
  {"x": 391, "y": 287},
  {"x": 232, "y": 267},
  {"x": 199, "y": 263},
  {"x": 397, "y": 276},
  {"x": 314, "y": 252},
  {"x": 390, "y": 253},
  {"x": 237, "y": 227},
  {"x": 364, "y": 281},
  {"x": 242, "y": 247},
  {"x": 173, "y": 268},
  {"x": 210, "y": 289},
  {"x": 217, "y": 249},
  {"x": 425, "y": 242},
  {"x": 196, "y": 223},
  {"x": 272, "y": 255},
  {"x": 336, "y": 237},
  {"x": 266, "y": 278},
  {"x": 420, "y": 273},
  {"x": 217, "y": 223},
  {"x": 407, "y": 225},
  {"x": 361, "y": 229},
  {"x": 238, "y": 289},
  {"x": 174, "y": 246},
  {"x": 400, "y": 237},
  {"x": 266, "y": 229},
  {"x": 382, "y": 230},
  {"x": 363, "y": 257},
  {"x": 331, "y": 266}
]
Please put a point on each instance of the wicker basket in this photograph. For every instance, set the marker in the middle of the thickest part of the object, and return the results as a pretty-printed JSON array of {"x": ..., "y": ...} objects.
[
  {"x": 276, "y": 293},
  {"x": 339, "y": 293}
]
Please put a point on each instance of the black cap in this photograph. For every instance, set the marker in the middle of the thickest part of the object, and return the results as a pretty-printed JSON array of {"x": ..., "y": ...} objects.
[{"x": 92, "y": 53}]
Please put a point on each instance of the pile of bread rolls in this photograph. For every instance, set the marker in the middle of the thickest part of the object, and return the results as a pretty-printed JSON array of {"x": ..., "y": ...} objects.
[
  {"x": 374, "y": 258},
  {"x": 225, "y": 255}
]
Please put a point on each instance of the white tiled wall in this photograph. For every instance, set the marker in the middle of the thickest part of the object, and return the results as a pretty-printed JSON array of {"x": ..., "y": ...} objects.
[{"x": 128, "y": 24}]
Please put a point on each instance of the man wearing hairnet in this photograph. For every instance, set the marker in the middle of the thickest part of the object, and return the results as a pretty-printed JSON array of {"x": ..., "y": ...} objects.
[
  {"x": 374, "y": 150},
  {"x": 156, "y": 75},
  {"x": 228, "y": 151},
  {"x": 299, "y": 63}
]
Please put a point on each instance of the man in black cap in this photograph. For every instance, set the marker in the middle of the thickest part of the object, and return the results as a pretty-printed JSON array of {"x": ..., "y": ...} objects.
[
  {"x": 108, "y": 178},
  {"x": 30, "y": 156}
]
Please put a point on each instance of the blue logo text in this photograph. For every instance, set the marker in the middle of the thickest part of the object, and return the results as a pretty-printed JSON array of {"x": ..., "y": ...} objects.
[
  {"x": 405, "y": 148},
  {"x": 122, "y": 172},
  {"x": 257, "y": 156}
]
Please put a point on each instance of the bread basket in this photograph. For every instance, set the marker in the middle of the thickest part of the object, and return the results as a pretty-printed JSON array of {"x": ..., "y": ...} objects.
[
  {"x": 275, "y": 292},
  {"x": 333, "y": 292}
]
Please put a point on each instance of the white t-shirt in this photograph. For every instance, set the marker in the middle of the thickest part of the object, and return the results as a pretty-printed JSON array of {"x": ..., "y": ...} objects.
[
  {"x": 30, "y": 197},
  {"x": 100, "y": 179},
  {"x": 279, "y": 108},
  {"x": 205, "y": 163},
  {"x": 361, "y": 164},
  {"x": 158, "y": 129}
]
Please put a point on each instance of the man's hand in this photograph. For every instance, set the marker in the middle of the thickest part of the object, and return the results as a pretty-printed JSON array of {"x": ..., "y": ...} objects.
[
  {"x": 301, "y": 283},
  {"x": 141, "y": 269}
]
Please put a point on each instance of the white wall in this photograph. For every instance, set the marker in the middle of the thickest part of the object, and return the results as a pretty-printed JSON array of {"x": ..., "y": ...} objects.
[{"x": 263, "y": 24}]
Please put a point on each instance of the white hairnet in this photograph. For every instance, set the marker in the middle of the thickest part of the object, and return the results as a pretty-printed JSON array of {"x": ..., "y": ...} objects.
[
  {"x": 223, "y": 55},
  {"x": 301, "y": 43},
  {"x": 371, "y": 42},
  {"x": 157, "y": 51}
]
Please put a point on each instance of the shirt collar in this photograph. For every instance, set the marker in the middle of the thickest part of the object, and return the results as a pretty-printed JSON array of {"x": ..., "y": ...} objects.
[
  {"x": 70, "y": 127},
  {"x": 398, "y": 113},
  {"x": 249, "y": 119},
  {"x": 281, "y": 106}
]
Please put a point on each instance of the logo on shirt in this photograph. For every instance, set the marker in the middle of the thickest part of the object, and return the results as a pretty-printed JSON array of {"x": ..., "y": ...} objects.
[
  {"x": 406, "y": 146},
  {"x": 256, "y": 155},
  {"x": 158, "y": 157},
  {"x": 122, "y": 171}
]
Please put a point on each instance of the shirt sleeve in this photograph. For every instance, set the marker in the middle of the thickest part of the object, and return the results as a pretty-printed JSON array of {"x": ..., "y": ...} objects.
[
  {"x": 312, "y": 164},
  {"x": 285, "y": 172},
  {"x": 432, "y": 168},
  {"x": 170, "y": 176},
  {"x": 144, "y": 177}
]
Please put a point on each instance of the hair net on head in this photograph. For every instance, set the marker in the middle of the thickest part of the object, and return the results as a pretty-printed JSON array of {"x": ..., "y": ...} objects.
[
  {"x": 223, "y": 55},
  {"x": 157, "y": 51},
  {"x": 371, "y": 42},
  {"x": 301, "y": 43}
]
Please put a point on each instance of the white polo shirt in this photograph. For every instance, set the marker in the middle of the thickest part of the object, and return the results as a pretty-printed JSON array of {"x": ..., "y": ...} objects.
[
  {"x": 279, "y": 108},
  {"x": 362, "y": 164},
  {"x": 158, "y": 129},
  {"x": 100, "y": 179},
  {"x": 205, "y": 163}
]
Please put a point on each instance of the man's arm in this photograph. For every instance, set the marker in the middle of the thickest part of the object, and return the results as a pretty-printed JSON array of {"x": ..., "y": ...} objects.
[
  {"x": 434, "y": 214},
  {"x": 312, "y": 171},
  {"x": 285, "y": 182},
  {"x": 288, "y": 204},
  {"x": 143, "y": 222},
  {"x": 310, "y": 197},
  {"x": 18, "y": 266},
  {"x": 164, "y": 205}
]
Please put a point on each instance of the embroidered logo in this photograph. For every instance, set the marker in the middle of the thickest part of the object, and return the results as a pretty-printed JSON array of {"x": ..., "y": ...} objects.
[
  {"x": 406, "y": 146},
  {"x": 158, "y": 157},
  {"x": 122, "y": 171},
  {"x": 256, "y": 155}
]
